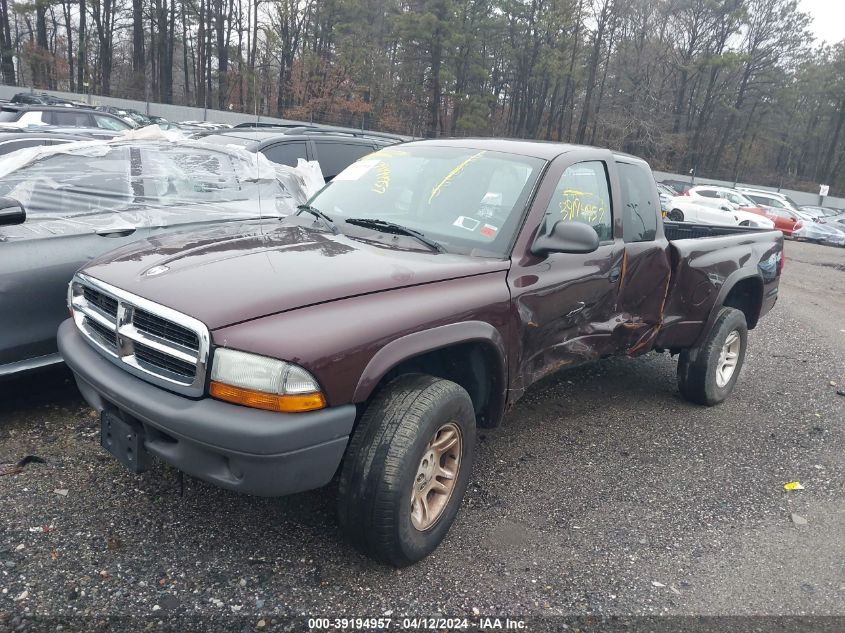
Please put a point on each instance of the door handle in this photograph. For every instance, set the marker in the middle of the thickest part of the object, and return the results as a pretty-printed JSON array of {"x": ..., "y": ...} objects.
[
  {"x": 581, "y": 306},
  {"x": 116, "y": 232}
]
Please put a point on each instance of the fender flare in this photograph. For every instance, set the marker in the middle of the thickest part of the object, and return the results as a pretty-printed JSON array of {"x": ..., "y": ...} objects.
[
  {"x": 417, "y": 343},
  {"x": 732, "y": 280}
]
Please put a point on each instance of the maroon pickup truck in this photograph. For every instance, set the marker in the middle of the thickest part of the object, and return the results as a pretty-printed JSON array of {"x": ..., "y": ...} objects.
[{"x": 416, "y": 297}]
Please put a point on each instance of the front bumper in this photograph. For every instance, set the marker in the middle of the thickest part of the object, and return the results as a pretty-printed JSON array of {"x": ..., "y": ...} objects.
[{"x": 248, "y": 450}]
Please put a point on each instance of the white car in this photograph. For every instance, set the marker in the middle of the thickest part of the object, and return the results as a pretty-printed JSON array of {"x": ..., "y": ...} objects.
[
  {"x": 767, "y": 198},
  {"x": 688, "y": 209}
]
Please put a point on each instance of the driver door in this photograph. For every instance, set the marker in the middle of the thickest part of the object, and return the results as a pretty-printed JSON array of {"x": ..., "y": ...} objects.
[{"x": 565, "y": 302}]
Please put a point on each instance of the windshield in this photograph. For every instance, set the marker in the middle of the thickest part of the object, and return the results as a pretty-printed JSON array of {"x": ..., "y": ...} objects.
[
  {"x": 468, "y": 200},
  {"x": 738, "y": 198}
]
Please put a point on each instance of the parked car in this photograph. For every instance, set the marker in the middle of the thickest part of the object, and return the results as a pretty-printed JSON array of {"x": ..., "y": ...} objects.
[
  {"x": 820, "y": 214},
  {"x": 786, "y": 221},
  {"x": 130, "y": 116},
  {"x": 680, "y": 186},
  {"x": 821, "y": 233},
  {"x": 22, "y": 116},
  {"x": 769, "y": 198},
  {"x": 690, "y": 209},
  {"x": 31, "y": 98},
  {"x": 70, "y": 203},
  {"x": 334, "y": 150},
  {"x": 414, "y": 298},
  {"x": 721, "y": 197},
  {"x": 666, "y": 194}
]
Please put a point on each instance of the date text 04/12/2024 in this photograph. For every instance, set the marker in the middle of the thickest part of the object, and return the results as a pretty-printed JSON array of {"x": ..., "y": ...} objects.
[{"x": 410, "y": 623}]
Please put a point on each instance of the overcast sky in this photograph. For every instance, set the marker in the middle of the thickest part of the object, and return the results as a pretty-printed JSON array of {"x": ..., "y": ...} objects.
[{"x": 828, "y": 19}]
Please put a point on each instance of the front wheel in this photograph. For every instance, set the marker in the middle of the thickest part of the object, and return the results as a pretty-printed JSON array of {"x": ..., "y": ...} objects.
[
  {"x": 407, "y": 468},
  {"x": 676, "y": 215},
  {"x": 707, "y": 375}
]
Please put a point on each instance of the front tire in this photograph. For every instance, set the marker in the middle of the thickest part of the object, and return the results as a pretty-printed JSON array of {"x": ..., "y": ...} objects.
[
  {"x": 406, "y": 469},
  {"x": 675, "y": 215},
  {"x": 707, "y": 375}
]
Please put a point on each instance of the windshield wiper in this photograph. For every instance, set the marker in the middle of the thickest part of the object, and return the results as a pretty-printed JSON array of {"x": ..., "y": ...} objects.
[
  {"x": 330, "y": 224},
  {"x": 396, "y": 229}
]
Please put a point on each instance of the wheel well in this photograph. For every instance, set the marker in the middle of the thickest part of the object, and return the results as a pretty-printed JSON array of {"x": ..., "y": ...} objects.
[
  {"x": 474, "y": 366},
  {"x": 746, "y": 296}
]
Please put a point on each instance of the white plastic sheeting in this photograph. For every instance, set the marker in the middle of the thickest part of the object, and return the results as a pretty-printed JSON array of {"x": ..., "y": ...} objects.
[{"x": 146, "y": 180}]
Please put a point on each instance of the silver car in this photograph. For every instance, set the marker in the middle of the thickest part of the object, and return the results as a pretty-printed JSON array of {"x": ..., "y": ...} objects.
[{"x": 63, "y": 206}]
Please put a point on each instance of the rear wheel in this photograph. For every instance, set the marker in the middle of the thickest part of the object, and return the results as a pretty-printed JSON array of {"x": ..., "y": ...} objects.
[
  {"x": 407, "y": 468},
  {"x": 676, "y": 215},
  {"x": 707, "y": 374}
]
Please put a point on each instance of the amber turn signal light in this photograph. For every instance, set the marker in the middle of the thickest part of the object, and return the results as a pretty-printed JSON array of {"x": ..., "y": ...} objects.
[{"x": 287, "y": 403}]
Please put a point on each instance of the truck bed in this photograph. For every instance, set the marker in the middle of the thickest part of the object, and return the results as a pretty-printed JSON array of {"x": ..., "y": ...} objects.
[{"x": 690, "y": 230}]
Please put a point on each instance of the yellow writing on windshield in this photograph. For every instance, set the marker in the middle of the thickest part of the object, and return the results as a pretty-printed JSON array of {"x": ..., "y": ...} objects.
[
  {"x": 582, "y": 206},
  {"x": 382, "y": 183},
  {"x": 452, "y": 174}
]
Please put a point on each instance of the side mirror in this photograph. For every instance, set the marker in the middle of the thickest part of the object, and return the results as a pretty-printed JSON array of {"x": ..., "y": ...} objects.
[
  {"x": 11, "y": 212},
  {"x": 567, "y": 237}
]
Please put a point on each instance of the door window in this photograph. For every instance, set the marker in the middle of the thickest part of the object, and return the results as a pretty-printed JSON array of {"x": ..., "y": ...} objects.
[
  {"x": 707, "y": 193},
  {"x": 108, "y": 123},
  {"x": 7, "y": 147},
  {"x": 286, "y": 153},
  {"x": 583, "y": 195},
  {"x": 639, "y": 215},
  {"x": 335, "y": 157}
]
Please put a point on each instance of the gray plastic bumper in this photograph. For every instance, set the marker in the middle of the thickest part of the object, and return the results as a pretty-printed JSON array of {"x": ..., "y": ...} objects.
[{"x": 248, "y": 450}]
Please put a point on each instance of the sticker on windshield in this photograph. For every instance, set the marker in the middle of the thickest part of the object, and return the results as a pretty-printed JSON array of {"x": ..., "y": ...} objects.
[
  {"x": 357, "y": 169},
  {"x": 470, "y": 224},
  {"x": 489, "y": 230}
]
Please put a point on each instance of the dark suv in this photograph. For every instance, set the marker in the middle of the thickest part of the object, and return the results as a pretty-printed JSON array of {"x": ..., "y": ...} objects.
[
  {"x": 64, "y": 116},
  {"x": 334, "y": 148}
]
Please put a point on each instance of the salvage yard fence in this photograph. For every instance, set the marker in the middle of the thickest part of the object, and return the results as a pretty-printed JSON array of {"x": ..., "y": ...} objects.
[{"x": 188, "y": 113}]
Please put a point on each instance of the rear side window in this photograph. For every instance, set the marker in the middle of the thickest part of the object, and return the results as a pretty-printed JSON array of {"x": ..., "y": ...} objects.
[
  {"x": 335, "y": 157},
  {"x": 9, "y": 115},
  {"x": 71, "y": 118},
  {"x": 639, "y": 215},
  {"x": 583, "y": 195},
  {"x": 708, "y": 193},
  {"x": 768, "y": 202},
  {"x": 33, "y": 118},
  {"x": 286, "y": 153}
]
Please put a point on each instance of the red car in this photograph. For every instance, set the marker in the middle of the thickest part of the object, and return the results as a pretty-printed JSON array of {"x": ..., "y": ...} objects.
[{"x": 785, "y": 221}]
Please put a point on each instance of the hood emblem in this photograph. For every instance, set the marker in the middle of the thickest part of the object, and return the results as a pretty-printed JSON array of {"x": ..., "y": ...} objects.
[{"x": 155, "y": 270}]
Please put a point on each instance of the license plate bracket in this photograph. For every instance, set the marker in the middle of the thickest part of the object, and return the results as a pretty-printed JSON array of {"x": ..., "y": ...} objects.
[{"x": 124, "y": 439}]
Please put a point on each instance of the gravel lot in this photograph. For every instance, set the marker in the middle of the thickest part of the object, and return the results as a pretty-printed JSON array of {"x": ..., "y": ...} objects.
[{"x": 603, "y": 493}]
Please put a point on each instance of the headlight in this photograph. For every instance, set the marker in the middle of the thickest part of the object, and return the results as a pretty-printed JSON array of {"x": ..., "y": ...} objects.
[{"x": 263, "y": 383}]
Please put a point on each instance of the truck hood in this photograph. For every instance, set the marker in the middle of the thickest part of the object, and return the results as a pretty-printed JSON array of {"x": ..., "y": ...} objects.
[{"x": 231, "y": 274}]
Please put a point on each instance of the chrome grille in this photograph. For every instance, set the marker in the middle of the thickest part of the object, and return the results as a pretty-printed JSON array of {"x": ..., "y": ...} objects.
[
  {"x": 151, "y": 324},
  {"x": 149, "y": 340}
]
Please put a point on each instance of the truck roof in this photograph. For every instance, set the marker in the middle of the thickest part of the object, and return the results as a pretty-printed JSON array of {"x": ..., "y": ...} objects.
[{"x": 546, "y": 150}]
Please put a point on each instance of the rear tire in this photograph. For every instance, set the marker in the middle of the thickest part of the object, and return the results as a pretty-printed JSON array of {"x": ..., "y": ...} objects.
[
  {"x": 393, "y": 464},
  {"x": 675, "y": 215},
  {"x": 707, "y": 374}
]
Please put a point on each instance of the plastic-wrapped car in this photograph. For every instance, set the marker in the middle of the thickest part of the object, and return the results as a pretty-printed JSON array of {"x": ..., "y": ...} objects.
[{"x": 64, "y": 205}]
